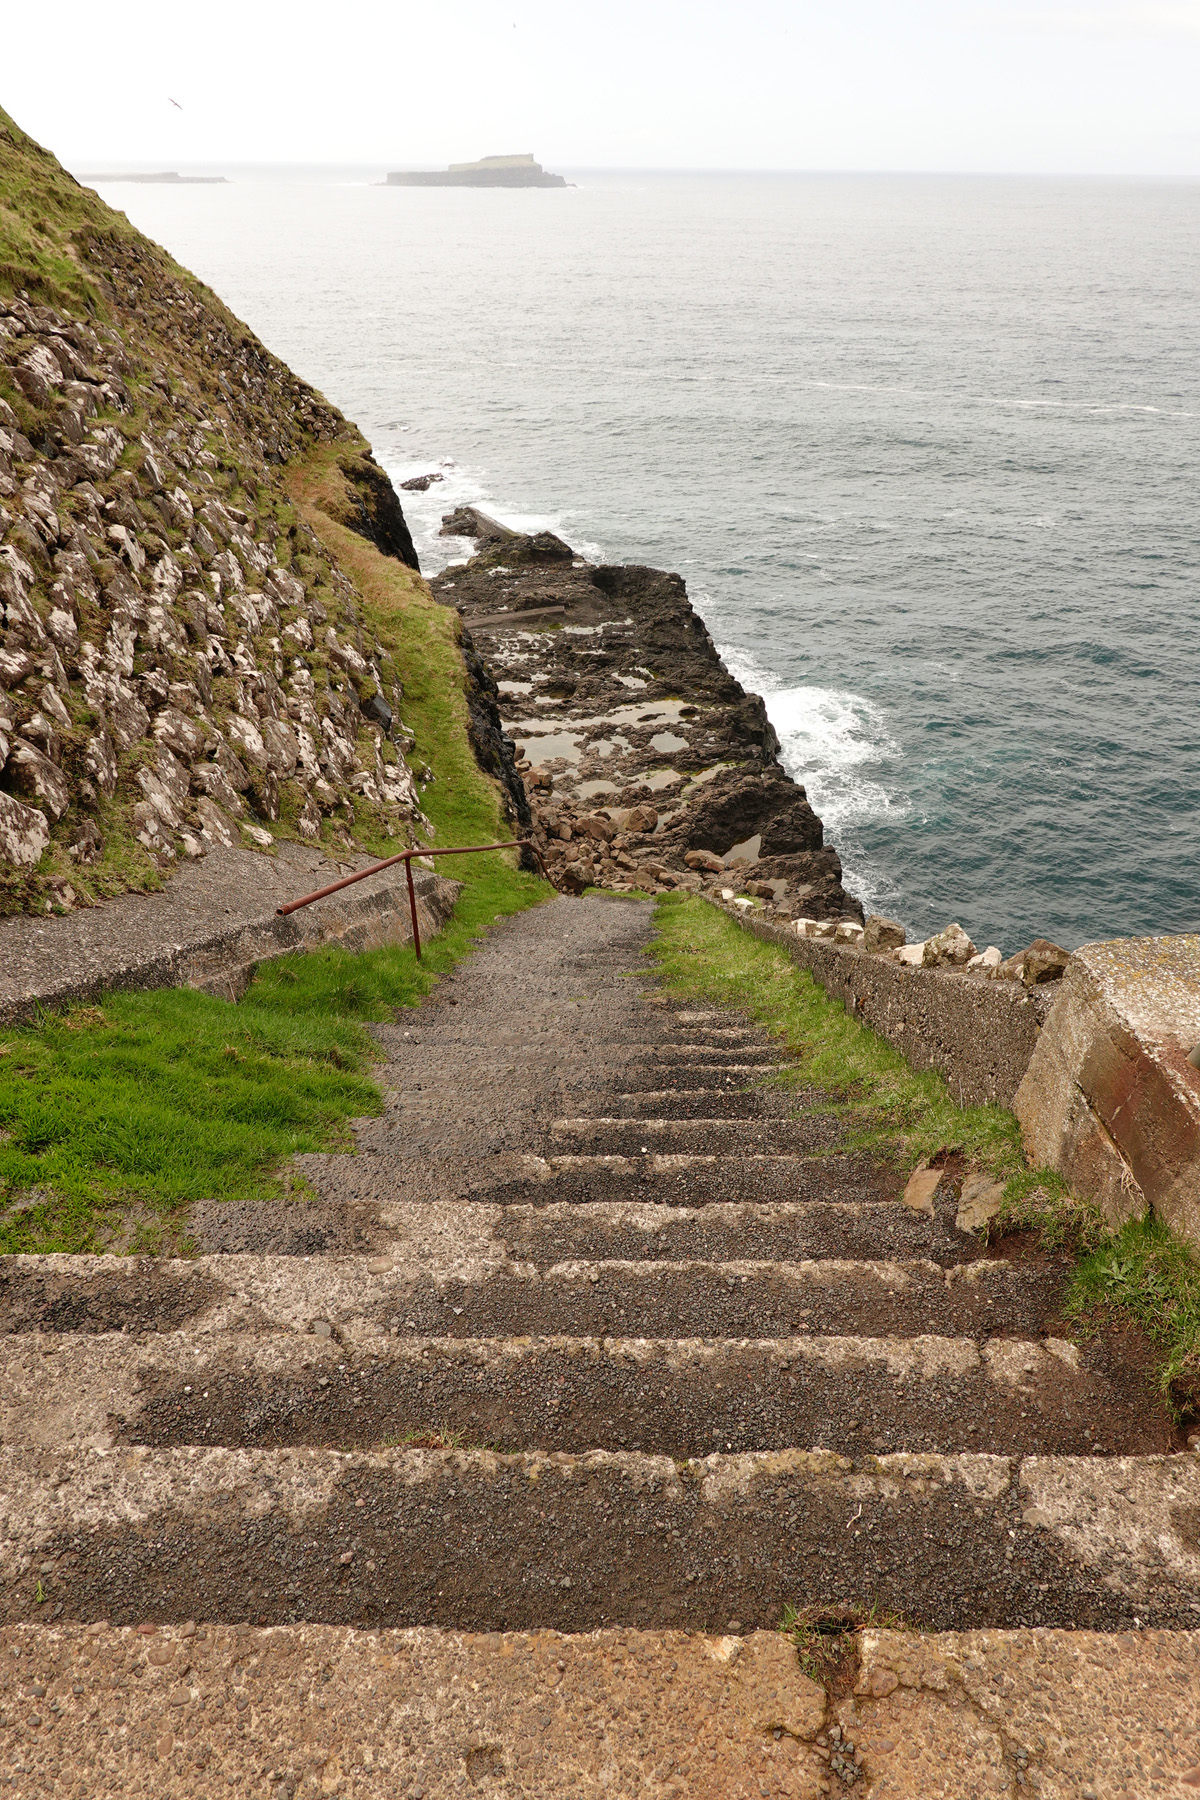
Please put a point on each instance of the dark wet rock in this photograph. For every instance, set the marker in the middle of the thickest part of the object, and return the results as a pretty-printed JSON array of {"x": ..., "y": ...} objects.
[{"x": 630, "y": 716}]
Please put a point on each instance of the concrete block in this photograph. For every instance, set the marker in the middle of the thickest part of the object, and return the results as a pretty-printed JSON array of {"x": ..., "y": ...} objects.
[{"x": 1110, "y": 1098}]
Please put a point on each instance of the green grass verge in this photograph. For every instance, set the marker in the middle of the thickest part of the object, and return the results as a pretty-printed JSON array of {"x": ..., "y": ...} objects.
[{"x": 886, "y": 1106}]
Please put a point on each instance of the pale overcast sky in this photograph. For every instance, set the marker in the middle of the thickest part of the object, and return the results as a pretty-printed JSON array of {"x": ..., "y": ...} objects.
[{"x": 1104, "y": 86}]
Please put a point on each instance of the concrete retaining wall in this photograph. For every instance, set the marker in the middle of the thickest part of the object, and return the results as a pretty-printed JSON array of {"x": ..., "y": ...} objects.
[
  {"x": 209, "y": 927},
  {"x": 979, "y": 1034}
]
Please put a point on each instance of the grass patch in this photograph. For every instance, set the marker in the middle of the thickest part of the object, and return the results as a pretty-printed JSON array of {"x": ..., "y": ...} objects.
[
  {"x": 887, "y": 1107},
  {"x": 1144, "y": 1272}
]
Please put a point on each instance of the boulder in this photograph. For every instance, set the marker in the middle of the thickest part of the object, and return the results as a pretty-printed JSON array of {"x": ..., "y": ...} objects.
[
  {"x": 849, "y": 931},
  {"x": 642, "y": 818},
  {"x": 247, "y": 742},
  {"x": 309, "y": 822},
  {"x": 282, "y": 747},
  {"x": 100, "y": 761},
  {"x": 911, "y": 955},
  {"x": 179, "y": 733},
  {"x": 595, "y": 825},
  {"x": 949, "y": 949},
  {"x": 1043, "y": 961},
  {"x": 213, "y": 823},
  {"x": 881, "y": 934},
  {"x": 37, "y": 778},
  {"x": 704, "y": 859},
  {"x": 150, "y": 828},
  {"x": 211, "y": 780},
  {"x": 24, "y": 833},
  {"x": 987, "y": 960},
  {"x": 88, "y": 843}
]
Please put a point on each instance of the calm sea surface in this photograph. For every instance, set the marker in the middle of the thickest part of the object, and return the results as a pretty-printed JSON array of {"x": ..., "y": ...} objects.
[{"x": 927, "y": 450}]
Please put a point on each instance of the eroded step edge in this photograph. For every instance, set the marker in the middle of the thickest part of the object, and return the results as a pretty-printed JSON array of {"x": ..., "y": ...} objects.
[
  {"x": 673, "y": 1397},
  {"x": 456, "y": 1287},
  {"x": 481, "y": 1541}
]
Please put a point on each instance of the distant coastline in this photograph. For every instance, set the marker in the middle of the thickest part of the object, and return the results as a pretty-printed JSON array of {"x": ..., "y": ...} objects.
[{"x": 168, "y": 176}]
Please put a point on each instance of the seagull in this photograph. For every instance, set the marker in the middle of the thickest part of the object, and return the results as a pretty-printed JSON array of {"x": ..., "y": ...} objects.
[{"x": 174, "y": 103}]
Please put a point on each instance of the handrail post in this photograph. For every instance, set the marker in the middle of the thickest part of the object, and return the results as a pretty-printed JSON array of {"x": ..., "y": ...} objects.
[{"x": 412, "y": 906}]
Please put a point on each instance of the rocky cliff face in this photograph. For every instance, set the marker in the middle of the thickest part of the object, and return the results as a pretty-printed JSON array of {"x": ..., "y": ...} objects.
[
  {"x": 646, "y": 763},
  {"x": 182, "y": 663}
]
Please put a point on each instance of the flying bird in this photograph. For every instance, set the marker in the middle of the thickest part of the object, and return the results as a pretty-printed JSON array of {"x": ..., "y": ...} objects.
[{"x": 174, "y": 103}]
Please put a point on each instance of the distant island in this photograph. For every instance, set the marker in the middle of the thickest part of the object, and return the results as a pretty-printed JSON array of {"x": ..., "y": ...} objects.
[
  {"x": 171, "y": 176},
  {"x": 489, "y": 171}
]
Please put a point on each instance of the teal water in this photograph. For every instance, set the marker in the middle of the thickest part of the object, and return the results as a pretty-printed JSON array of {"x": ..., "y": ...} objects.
[{"x": 927, "y": 450}]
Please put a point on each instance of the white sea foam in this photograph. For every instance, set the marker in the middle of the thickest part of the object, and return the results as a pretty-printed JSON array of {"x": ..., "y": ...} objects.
[
  {"x": 837, "y": 744},
  {"x": 465, "y": 486}
]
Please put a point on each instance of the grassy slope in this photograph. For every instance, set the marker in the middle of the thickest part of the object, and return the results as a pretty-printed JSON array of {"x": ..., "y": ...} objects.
[
  {"x": 112, "y": 1119},
  {"x": 42, "y": 212}
]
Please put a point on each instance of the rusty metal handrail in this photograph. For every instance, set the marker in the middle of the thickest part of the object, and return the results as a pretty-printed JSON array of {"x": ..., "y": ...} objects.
[{"x": 406, "y": 857}]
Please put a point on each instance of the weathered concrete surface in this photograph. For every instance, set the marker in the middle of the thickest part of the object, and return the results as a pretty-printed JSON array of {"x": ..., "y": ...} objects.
[
  {"x": 979, "y": 1034},
  {"x": 1068, "y": 1715},
  {"x": 292, "y": 1712},
  {"x": 308, "y": 1710},
  {"x": 209, "y": 927},
  {"x": 672, "y": 1397},
  {"x": 480, "y": 1540},
  {"x": 1110, "y": 1098},
  {"x": 471, "y": 1283}
]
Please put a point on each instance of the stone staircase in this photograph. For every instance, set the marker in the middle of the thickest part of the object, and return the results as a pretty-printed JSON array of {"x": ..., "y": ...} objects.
[{"x": 632, "y": 1355}]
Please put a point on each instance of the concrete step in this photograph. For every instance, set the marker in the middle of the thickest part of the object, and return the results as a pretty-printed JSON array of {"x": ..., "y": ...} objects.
[
  {"x": 676, "y": 1397},
  {"x": 612, "y": 1712},
  {"x": 730, "y": 1101},
  {"x": 693, "y": 1029},
  {"x": 698, "y": 1136},
  {"x": 695, "y": 1180},
  {"x": 308, "y": 1710},
  {"x": 469, "y": 1285},
  {"x": 660, "y": 1072},
  {"x": 631, "y": 1231},
  {"x": 482, "y": 1542},
  {"x": 670, "y": 1051}
]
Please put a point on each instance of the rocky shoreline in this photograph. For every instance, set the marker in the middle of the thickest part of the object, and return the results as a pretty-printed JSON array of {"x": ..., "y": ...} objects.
[
  {"x": 645, "y": 763},
  {"x": 636, "y": 759}
]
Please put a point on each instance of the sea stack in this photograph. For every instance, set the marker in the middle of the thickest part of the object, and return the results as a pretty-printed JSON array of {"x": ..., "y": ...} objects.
[{"x": 489, "y": 171}]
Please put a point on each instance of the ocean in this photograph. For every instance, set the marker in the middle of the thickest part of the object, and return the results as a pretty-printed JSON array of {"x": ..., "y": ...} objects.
[{"x": 925, "y": 448}]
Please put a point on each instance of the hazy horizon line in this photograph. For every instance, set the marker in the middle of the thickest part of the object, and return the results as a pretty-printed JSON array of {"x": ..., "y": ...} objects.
[{"x": 153, "y": 165}]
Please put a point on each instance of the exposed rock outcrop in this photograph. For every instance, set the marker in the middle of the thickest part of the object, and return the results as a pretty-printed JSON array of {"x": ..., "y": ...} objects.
[
  {"x": 182, "y": 662},
  {"x": 646, "y": 763}
]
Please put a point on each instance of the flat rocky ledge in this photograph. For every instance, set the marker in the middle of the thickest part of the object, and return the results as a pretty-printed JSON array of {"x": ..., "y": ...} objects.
[{"x": 208, "y": 927}]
